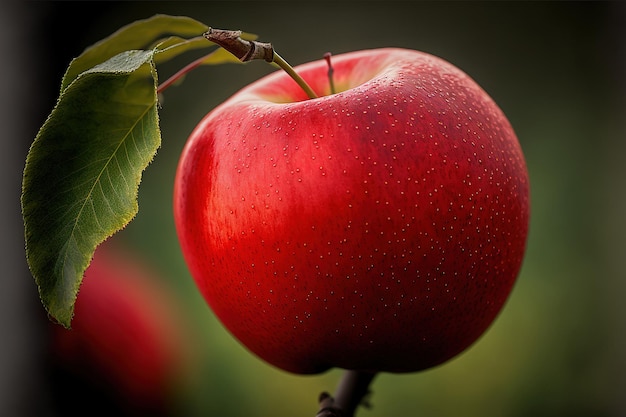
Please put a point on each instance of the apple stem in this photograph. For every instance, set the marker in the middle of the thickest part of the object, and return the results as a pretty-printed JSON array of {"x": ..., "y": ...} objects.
[
  {"x": 350, "y": 393},
  {"x": 293, "y": 74},
  {"x": 331, "y": 71},
  {"x": 246, "y": 50}
]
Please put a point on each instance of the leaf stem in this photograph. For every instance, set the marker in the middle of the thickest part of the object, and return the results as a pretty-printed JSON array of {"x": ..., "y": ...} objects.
[
  {"x": 179, "y": 74},
  {"x": 246, "y": 50}
]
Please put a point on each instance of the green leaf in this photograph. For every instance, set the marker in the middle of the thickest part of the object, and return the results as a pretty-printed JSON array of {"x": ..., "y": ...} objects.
[
  {"x": 85, "y": 165},
  {"x": 141, "y": 34},
  {"x": 83, "y": 171},
  {"x": 174, "y": 46}
]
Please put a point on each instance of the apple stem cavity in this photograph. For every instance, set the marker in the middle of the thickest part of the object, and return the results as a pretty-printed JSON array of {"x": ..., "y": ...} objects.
[
  {"x": 351, "y": 392},
  {"x": 331, "y": 71},
  {"x": 246, "y": 50}
]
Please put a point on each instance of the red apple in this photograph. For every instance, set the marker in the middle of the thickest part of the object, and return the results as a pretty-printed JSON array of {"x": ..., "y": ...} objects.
[
  {"x": 127, "y": 342},
  {"x": 380, "y": 228}
]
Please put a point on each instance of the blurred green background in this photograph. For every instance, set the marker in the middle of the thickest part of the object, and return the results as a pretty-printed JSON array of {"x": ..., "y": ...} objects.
[{"x": 557, "y": 69}]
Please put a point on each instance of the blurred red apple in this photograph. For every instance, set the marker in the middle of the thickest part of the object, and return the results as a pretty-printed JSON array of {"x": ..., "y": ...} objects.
[{"x": 128, "y": 341}]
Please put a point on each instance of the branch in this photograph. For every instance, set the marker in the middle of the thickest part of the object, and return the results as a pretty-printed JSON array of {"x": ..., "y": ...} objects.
[
  {"x": 246, "y": 50},
  {"x": 243, "y": 49},
  {"x": 350, "y": 393}
]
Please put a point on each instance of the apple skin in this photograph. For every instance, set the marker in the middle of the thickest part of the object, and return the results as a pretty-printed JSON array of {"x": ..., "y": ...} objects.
[
  {"x": 380, "y": 228},
  {"x": 128, "y": 345}
]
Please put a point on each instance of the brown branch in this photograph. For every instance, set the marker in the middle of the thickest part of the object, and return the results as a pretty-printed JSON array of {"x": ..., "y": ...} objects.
[
  {"x": 246, "y": 50},
  {"x": 243, "y": 49},
  {"x": 351, "y": 392}
]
